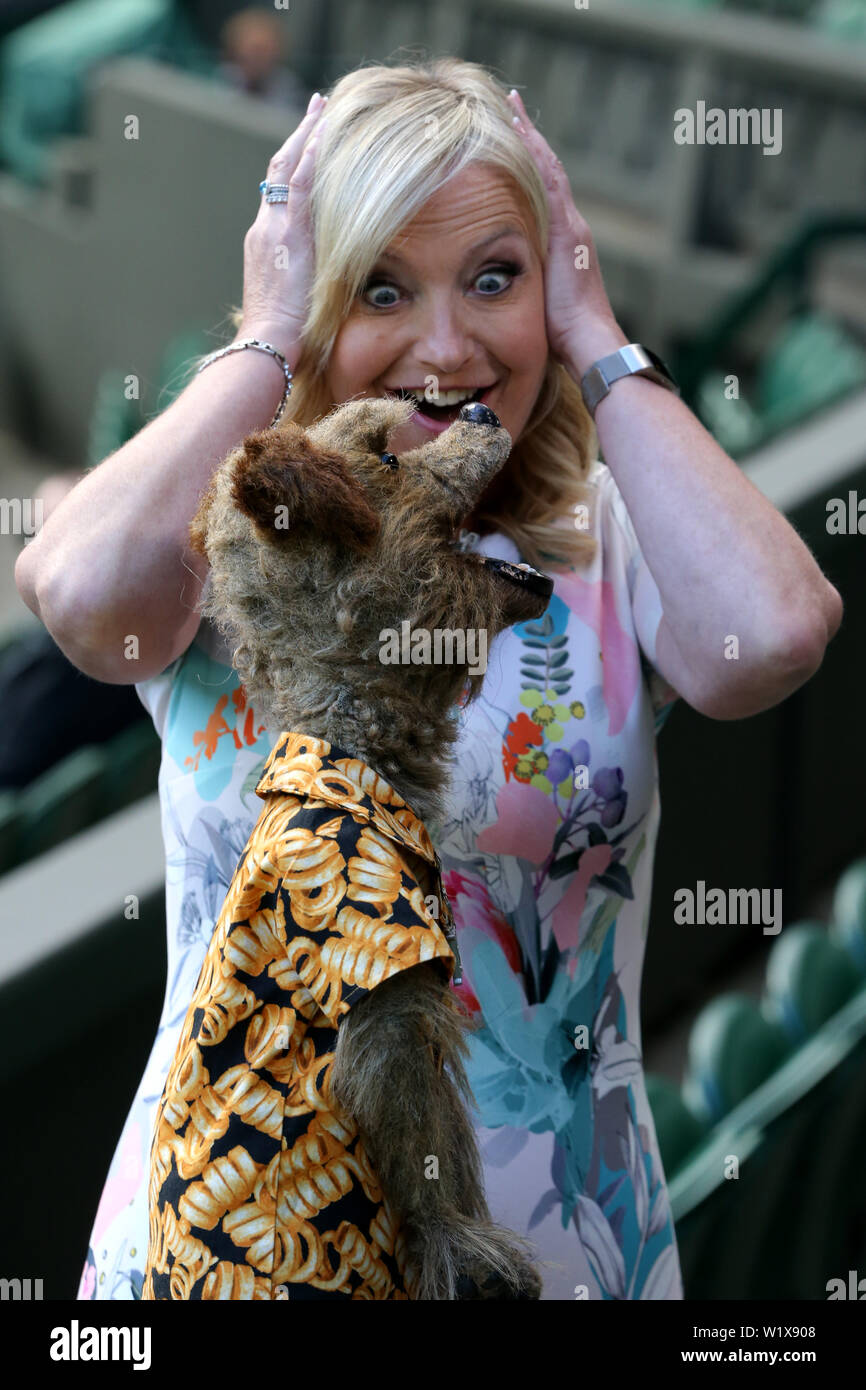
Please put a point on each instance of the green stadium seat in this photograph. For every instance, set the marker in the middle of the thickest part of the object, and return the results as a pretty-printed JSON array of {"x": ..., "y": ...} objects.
[
  {"x": 131, "y": 769},
  {"x": 688, "y": 4},
  {"x": 809, "y": 978},
  {"x": 176, "y": 368},
  {"x": 848, "y": 924},
  {"x": 795, "y": 11},
  {"x": 62, "y": 801},
  {"x": 732, "y": 1049},
  {"x": 724, "y": 1249},
  {"x": 837, "y": 19},
  {"x": 91, "y": 783},
  {"x": 796, "y": 1214},
  {"x": 732, "y": 420},
  {"x": 811, "y": 362},
  {"x": 679, "y": 1131},
  {"x": 114, "y": 419},
  {"x": 9, "y": 829},
  {"x": 840, "y": 19},
  {"x": 11, "y": 632},
  {"x": 44, "y": 66},
  {"x": 832, "y": 1164}
]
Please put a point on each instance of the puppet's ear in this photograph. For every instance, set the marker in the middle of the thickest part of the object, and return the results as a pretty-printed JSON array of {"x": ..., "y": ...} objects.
[
  {"x": 199, "y": 526},
  {"x": 284, "y": 484}
]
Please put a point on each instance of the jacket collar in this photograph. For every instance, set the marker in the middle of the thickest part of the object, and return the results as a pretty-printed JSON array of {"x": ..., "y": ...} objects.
[{"x": 313, "y": 767}]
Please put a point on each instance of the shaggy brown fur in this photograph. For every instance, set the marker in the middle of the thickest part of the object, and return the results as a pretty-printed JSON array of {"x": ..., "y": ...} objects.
[{"x": 315, "y": 545}]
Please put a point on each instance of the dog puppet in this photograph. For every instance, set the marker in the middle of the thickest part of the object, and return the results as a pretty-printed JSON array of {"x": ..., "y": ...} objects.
[{"x": 313, "y": 1137}]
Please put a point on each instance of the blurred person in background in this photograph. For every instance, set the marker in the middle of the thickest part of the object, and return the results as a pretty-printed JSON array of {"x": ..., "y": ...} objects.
[{"x": 255, "y": 46}]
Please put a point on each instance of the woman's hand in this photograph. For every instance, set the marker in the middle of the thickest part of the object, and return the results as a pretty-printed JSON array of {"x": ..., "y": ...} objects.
[
  {"x": 577, "y": 306},
  {"x": 277, "y": 280}
]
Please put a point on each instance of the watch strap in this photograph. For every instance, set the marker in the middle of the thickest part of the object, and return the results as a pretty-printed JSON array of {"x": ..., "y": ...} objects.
[{"x": 632, "y": 360}]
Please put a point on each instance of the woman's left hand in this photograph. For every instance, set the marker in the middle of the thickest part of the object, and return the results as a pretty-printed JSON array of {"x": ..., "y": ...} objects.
[{"x": 575, "y": 297}]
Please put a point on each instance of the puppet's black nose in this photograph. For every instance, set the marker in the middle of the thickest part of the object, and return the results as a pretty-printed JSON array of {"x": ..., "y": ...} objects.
[{"x": 478, "y": 413}]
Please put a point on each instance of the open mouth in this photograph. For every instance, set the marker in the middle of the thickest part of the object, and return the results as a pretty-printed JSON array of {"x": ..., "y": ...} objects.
[{"x": 445, "y": 413}]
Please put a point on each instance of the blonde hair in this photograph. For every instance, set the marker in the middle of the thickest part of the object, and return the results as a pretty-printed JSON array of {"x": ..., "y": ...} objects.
[{"x": 395, "y": 136}]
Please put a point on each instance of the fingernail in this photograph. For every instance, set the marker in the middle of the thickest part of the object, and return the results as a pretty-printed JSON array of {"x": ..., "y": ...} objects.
[
  {"x": 516, "y": 121},
  {"x": 316, "y": 97}
]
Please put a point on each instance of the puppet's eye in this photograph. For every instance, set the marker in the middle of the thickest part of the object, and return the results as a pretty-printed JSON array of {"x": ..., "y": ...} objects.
[{"x": 390, "y": 460}]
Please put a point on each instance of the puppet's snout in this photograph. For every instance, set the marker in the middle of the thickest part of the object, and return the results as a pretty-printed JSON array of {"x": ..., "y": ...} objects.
[
  {"x": 479, "y": 414},
  {"x": 470, "y": 452}
]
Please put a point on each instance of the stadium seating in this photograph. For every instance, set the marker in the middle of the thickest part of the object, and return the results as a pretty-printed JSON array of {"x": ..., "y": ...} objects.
[
  {"x": 763, "y": 1143},
  {"x": 116, "y": 417},
  {"x": 732, "y": 1049},
  {"x": 811, "y": 360},
  {"x": 809, "y": 978},
  {"x": 45, "y": 64},
  {"x": 90, "y": 784}
]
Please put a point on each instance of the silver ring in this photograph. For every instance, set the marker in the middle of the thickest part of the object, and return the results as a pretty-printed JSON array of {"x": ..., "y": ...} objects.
[{"x": 274, "y": 192}]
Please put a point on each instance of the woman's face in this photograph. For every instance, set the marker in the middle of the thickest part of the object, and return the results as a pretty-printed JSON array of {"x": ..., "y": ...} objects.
[{"x": 459, "y": 297}]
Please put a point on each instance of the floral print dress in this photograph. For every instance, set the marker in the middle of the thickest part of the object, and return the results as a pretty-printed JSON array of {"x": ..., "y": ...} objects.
[{"x": 547, "y": 854}]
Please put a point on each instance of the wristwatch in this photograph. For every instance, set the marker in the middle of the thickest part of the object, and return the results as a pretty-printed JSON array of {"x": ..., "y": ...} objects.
[{"x": 633, "y": 360}]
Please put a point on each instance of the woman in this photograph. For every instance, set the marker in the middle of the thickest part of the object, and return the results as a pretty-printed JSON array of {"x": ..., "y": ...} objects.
[{"x": 449, "y": 255}]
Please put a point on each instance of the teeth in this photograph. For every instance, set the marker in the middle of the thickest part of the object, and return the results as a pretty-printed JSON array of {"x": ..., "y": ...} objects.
[{"x": 444, "y": 398}]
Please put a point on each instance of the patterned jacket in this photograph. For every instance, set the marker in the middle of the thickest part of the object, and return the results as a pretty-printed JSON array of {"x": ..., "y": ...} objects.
[{"x": 259, "y": 1185}]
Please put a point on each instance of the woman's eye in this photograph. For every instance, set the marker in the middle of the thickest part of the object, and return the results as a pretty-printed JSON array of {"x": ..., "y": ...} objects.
[
  {"x": 492, "y": 275},
  {"x": 378, "y": 287},
  {"x": 508, "y": 269}
]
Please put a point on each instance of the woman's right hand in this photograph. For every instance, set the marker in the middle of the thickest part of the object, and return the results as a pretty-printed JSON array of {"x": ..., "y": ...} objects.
[{"x": 275, "y": 303}]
